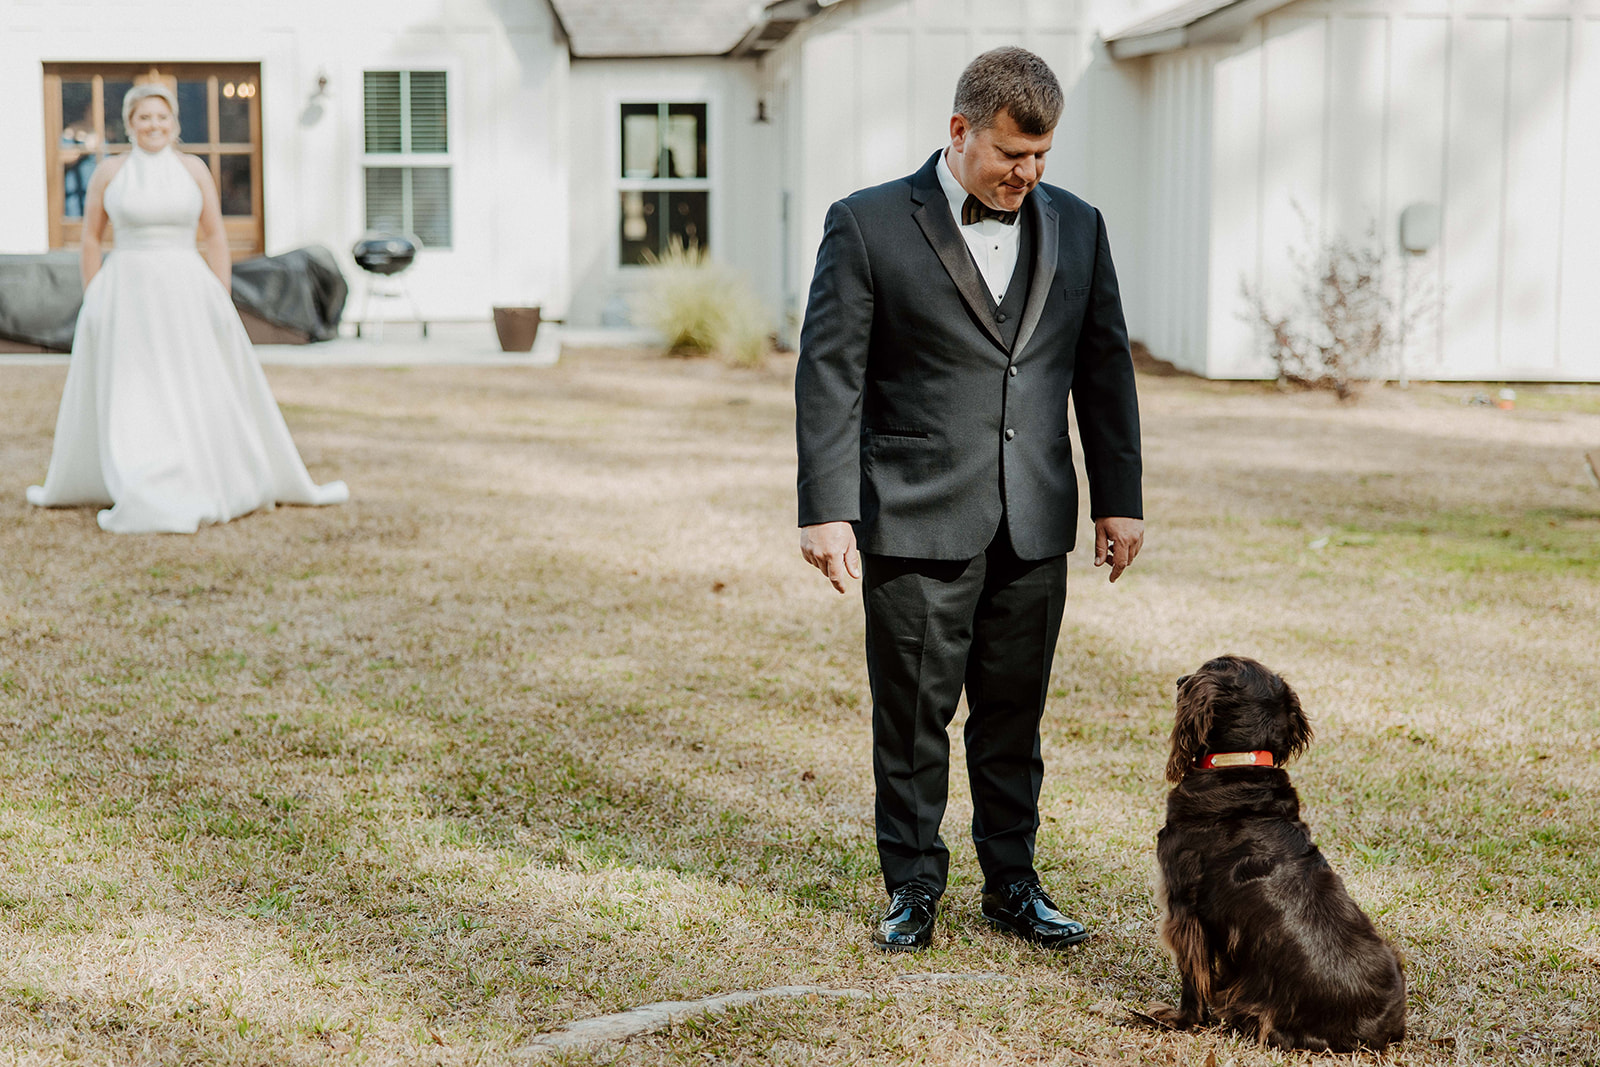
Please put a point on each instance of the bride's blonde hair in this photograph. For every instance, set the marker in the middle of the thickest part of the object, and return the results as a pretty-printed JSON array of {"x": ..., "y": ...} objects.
[{"x": 131, "y": 98}]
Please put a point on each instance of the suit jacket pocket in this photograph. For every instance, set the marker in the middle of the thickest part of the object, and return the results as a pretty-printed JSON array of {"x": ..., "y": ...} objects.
[
  {"x": 1077, "y": 293},
  {"x": 898, "y": 433}
]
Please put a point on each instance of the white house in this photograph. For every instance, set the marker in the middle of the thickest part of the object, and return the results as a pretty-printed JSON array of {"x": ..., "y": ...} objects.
[
  {"x": 319, "y": 119},
  {"x": 541, "y": 147}
]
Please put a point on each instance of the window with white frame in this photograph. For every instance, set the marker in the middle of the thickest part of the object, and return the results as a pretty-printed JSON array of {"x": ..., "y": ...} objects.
[
  {"x": 407, "y": 154},
  {"x": 664, "y": 188}
]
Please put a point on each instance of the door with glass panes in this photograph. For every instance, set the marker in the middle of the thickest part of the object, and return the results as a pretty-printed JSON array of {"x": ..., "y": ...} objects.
[{"x": 219, "y": 112}]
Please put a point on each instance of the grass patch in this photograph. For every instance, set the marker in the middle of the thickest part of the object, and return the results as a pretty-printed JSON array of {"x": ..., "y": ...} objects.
[{"x": 551, "y": 721}]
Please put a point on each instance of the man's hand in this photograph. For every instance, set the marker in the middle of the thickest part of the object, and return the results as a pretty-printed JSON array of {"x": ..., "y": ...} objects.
[
  {"x": 831, "y": 548},
  {"x": 1117, "y": 542}
]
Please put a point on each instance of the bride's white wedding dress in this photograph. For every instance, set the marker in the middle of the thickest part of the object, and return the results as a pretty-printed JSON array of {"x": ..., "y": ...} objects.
[{"x": 166, "y": 414}]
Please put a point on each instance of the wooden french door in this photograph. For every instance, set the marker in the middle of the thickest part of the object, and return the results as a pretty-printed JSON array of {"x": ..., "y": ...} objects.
[{"x": 219, "y": 112}]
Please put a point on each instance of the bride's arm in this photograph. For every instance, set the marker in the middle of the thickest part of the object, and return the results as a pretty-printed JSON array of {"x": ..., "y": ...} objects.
[
  {"x": 94, "y": 217},
  {"x": 213, "y": 236}
]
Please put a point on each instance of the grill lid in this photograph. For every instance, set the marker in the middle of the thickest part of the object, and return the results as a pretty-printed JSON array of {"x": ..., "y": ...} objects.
[{"x": 385, "y": 253}]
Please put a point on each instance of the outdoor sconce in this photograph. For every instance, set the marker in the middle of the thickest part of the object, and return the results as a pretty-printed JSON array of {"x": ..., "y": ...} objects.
[{"x": 313, "y": 109}]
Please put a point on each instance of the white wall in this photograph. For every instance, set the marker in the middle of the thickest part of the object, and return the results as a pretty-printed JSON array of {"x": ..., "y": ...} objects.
[
  {"x": 507, "y": 77},
  {"x": 1177, "y": 205},
  {"x": 1353, "y": 110},
  {"x": 866, "y": 90},
  {"x": 744, "y": 202}
]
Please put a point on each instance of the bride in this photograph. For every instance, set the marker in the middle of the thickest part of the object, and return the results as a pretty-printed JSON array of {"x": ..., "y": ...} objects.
[{"x": 166, "y": 414}]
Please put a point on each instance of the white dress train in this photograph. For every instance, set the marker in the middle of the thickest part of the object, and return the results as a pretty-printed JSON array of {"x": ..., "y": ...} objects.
[{"x": 166, "y": 415}]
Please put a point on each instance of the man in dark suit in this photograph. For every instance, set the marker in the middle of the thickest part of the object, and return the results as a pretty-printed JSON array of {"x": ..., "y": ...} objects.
[{"x": 951, "y": 315}]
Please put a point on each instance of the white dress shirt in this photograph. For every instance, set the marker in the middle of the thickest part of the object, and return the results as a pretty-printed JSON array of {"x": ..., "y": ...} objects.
[{"x": 993, "y": 244}]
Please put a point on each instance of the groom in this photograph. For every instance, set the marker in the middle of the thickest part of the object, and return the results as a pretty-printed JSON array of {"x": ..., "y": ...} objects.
[{"x": 951, "y": 315}]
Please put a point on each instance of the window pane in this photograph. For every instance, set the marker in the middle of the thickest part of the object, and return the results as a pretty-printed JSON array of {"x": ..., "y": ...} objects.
[
  {"x": 430, "y": 206},
  {"x": 686, "y": 140},
  {"x": 75, "y": 184},
  {"x": 114, "y": 92},
  {"x": 193, "y": 117},
  {"x": 385, "y": 210},
  {"x": 77, "y": 120},
  {"x": 688, "y": 217},
  {"x": 430, "y": 126},
  {"x": 641, "y": 141},
  {"x": 233, "y": 110},
  {"x": 236, "y": 185},
  {"x": 641, "y": 226},
  {"x": 382, "y": 110}
]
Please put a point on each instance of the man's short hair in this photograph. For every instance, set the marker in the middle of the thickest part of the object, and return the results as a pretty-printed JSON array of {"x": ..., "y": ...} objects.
[{"x": 1010, "y": 79}]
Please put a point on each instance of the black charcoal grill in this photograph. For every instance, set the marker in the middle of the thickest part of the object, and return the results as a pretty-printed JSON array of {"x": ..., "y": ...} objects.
[{"x": 382, "y": 256}]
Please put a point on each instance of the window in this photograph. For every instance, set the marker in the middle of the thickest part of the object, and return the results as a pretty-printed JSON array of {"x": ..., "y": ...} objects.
[
  {"x": 664, "y": 192},
  {"x": 407, "y": 147},
  {"x": 219, "y": 115}
]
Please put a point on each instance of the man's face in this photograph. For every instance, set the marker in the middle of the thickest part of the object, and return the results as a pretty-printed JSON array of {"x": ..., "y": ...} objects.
[{"x": 999, "y": 165}]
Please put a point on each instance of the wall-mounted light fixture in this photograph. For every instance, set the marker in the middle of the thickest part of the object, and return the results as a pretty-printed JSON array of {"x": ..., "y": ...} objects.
[{"x": 312, "y": 113}]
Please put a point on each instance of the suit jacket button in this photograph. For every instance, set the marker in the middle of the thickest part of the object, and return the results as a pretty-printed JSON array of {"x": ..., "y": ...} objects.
[
  {"x": 1010, "y": 433},
  {"x": 1000, "y": 316},
  {"x": 1012, "y": 370}
]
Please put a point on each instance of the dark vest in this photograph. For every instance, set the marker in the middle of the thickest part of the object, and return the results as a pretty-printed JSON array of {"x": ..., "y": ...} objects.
[{"x": 1008, "y": 316}]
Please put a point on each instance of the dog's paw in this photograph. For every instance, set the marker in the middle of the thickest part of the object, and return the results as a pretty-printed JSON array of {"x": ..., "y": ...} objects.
[{"x": 1165, "y": 1015}]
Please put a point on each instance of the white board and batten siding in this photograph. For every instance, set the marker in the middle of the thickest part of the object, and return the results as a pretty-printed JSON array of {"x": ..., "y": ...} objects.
[
  {"x": 1348, "y": 112},
  {"x": 866, "y": 90},
  {"x": 1178, "y": 99}
]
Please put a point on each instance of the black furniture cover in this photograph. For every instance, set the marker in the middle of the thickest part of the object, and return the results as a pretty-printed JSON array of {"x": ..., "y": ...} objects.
[{"x": 300, "y": 290}]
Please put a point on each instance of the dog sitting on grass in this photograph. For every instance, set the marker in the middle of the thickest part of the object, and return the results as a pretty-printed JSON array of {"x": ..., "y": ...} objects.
[{"x": 1265, "y": 936}]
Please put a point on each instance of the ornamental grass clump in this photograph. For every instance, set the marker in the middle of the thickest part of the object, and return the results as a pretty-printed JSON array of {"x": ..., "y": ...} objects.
[{"x": 702, "y": 307}]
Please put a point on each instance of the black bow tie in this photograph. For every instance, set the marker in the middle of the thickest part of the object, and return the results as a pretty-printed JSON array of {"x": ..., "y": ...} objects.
[{"x": 975, "y": 211}]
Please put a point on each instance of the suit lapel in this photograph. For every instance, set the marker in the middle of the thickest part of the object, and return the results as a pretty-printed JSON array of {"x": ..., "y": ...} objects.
[
  {"x": 939, "y": 227},
  {"x": 1046, "y": 237}
]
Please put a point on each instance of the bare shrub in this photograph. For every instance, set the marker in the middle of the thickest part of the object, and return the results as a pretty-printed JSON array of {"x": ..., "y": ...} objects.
[
  {"x": 702, "y": 307},
  {"x": 1341, "y": 327}
]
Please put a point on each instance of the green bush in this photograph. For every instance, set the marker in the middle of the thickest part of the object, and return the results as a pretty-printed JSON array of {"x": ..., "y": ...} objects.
[{"x": 702, "y": 307}]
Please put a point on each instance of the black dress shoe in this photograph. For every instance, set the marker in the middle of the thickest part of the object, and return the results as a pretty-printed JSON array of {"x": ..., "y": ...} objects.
[
  {"x": 908, "y": 923},
  {"x": 1022, "y": 908}
]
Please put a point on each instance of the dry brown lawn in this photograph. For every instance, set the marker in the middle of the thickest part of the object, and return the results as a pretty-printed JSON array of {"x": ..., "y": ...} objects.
[{"x": 552, "y": 721}]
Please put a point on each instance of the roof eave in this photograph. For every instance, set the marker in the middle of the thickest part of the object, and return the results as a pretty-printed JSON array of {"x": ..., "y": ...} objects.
[
  {"x": 1223, "y": 26},
  {"x": 776, "y": 22},
  {"x": 561, "y": 25},
  {"x": 649, "y": 55},
  {"x": 1149, "y": 44}
]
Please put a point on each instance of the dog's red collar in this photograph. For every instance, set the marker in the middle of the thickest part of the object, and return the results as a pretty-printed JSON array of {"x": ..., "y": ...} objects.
[{"x": 1233, "y": 759}]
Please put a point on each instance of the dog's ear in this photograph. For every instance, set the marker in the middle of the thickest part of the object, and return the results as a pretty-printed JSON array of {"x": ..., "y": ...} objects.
[
  {"x": 1197, "y": 695},
  {"x": 1299, "y": 727}
]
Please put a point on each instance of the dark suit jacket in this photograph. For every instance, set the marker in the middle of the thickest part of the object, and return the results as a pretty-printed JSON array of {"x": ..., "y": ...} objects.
[{"x": 915, "y": 422}]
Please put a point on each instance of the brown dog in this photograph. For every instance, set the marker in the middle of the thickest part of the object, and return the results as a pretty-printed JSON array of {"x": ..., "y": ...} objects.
[{"x": 1263, "y": 932}]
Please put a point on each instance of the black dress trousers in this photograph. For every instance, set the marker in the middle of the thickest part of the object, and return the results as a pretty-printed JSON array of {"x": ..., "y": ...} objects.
[{"x": 933, "y": 626}]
